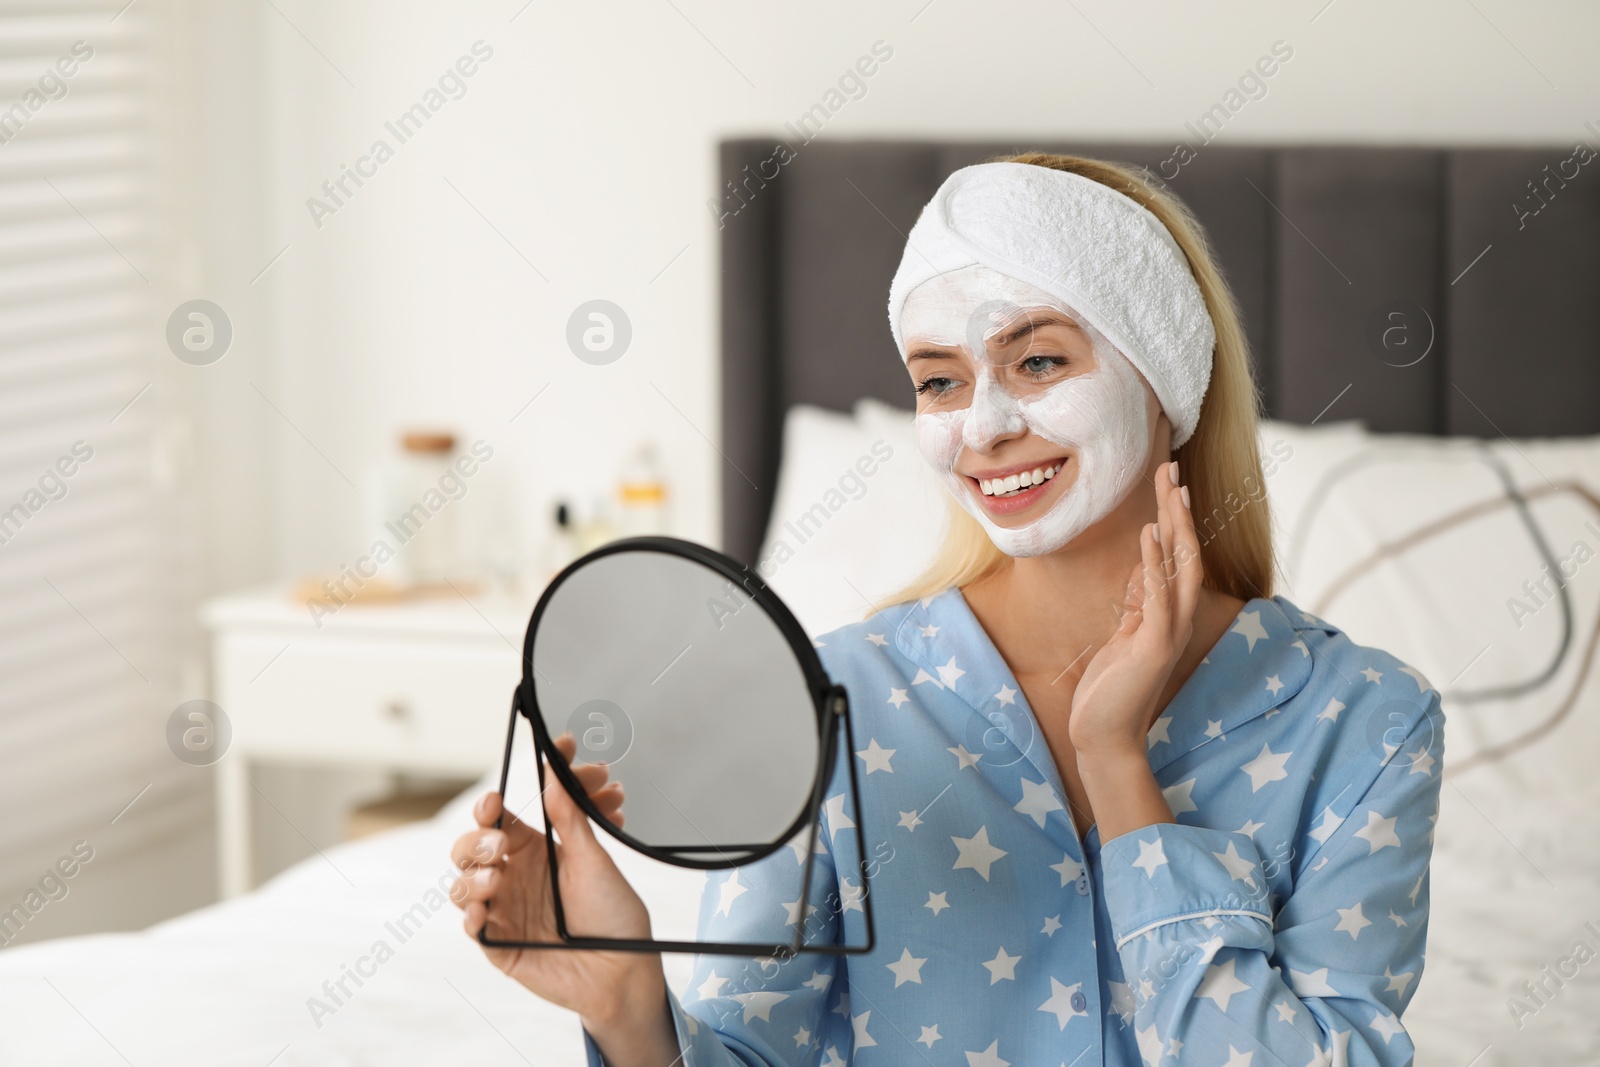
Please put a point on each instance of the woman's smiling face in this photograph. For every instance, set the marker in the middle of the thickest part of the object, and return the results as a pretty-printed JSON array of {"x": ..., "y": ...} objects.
[{"x": 1038, "y": 425}]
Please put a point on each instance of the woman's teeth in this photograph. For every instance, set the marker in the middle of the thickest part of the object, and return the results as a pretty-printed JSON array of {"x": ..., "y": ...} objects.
[{"x": 1016, "y": 483}]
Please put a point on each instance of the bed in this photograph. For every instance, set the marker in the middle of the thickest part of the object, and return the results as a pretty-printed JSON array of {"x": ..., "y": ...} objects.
[
  {"x": 256, "y": 980},
  {"x": 1427, "y": 479},
  {"x": 1424, "y": 326}
]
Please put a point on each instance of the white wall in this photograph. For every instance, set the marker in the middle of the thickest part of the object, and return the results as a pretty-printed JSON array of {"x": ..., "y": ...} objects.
[{"x": 588, "y": 141}]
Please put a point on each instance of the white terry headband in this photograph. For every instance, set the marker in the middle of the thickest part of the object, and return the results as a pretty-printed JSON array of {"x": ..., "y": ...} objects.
[{"x": 1099, "y": 252}]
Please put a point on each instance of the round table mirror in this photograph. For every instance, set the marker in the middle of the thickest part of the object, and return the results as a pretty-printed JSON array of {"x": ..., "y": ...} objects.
[{"x": 680, "y": 670}]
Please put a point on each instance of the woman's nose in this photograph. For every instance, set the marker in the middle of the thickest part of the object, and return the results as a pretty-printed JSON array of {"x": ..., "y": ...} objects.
[{"x": 994, "y": 414}]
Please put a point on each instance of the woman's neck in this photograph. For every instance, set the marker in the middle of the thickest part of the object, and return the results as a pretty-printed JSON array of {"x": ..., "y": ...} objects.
[
  {"x": 1047, "y": 615},
  {"x": 1042, "y": 611}
]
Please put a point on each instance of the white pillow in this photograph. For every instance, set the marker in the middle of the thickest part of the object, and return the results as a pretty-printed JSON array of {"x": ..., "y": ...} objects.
[
  {"x": 1295, "y": 459},
  {"x": 1411, "y": 543},
  {"x": 871, "y": 411},
  {"x": 857, "y": 515},
  {"x": 1513, "y": 873}
]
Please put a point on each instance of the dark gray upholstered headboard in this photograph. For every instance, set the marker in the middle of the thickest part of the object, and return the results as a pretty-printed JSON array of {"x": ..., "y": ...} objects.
[{"x": 1496, "y": 252}]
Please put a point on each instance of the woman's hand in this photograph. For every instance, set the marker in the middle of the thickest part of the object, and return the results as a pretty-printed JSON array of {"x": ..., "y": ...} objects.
[
  {"x": 1114, "y": 700},
  {"x": 506, "y": 882}
]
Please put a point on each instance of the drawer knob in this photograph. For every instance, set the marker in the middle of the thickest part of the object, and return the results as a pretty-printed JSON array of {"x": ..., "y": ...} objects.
[{"x": 398, "y": 710}]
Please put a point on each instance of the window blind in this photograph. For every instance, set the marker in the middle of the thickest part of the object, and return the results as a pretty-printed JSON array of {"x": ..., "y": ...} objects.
[{"x": 90, "y": 538}]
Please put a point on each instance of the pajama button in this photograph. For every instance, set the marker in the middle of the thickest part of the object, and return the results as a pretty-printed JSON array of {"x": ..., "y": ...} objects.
[
  {"x": 1079, "y": 1002},
  {"x": 1083, "y": 884}
]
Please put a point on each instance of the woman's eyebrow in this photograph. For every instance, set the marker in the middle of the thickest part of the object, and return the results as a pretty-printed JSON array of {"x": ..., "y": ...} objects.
[
  {"x": 1035, "y": 324},
  {"x": 1028, "y": 327}
]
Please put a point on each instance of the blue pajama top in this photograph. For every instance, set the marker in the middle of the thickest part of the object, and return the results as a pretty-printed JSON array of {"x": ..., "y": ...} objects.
[{"x": 1279, "y": 919}]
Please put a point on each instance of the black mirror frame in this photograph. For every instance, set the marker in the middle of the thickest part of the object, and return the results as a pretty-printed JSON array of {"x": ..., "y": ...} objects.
[{"x": 833, "y": 715}]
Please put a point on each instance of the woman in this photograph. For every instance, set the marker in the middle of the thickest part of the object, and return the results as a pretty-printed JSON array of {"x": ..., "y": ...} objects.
[{"x": 1136, "y": 808}]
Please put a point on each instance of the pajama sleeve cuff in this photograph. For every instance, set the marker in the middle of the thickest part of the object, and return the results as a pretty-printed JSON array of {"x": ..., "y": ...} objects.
[
  {"x": 1167, "y": 873},
  {"x": 690, "y": 1034}
]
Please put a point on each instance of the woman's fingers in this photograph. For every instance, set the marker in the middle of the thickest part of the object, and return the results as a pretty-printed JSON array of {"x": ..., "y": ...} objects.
[
  {"x": 571, "y": 823},
  {"x": 476, "y": 884},
  {"x": 487, "y": 809},
  {"x": 591, "y": 776},
  {"x": 491, "y": 806},
  {"x": 1132, "y": 600},
  {"x": 609, "y": 801},
  {"x": 593, "y": 779},
  {"x": 478, "y": 847},
  {"x": 1166, "y": 490},
  {"x": 481, "y": 852},
  {"x": 1186, "y": 552},
  {"x": 568, "y": 820},
  {"x": 488, "y": 843},
  {"x": 474, "y": 918},
  {"x": 604, "y": 795},
  {"x": 1155, "y": 579}
]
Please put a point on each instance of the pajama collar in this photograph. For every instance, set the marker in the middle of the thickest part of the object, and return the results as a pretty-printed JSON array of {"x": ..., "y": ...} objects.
[{"x": 1265, "y": 657}]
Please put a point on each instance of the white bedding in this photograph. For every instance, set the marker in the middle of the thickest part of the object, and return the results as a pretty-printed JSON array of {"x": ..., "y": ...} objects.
[
  {"x": 1515, "y": 881},
  {"x": 1505, "y": 908},
  {"x": 229, "y": 984}
]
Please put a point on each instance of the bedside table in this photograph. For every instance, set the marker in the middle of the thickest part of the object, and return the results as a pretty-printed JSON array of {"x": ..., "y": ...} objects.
[{"x": 423, "y": 687}]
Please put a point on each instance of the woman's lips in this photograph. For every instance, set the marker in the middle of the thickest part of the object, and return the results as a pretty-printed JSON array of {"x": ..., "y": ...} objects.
[{"x": 1021, "y": 501}]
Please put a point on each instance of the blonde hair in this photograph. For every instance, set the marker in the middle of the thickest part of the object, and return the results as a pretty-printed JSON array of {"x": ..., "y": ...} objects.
[{"x": 1222, "y": 456}]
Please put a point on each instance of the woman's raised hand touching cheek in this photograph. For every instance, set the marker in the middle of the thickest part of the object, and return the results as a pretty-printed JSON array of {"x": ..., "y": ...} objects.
[{"x": 1114, "y": 701}]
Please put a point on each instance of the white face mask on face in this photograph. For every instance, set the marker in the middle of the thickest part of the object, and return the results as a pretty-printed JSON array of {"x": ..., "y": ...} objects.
[{"x": 1101, "y": 415}]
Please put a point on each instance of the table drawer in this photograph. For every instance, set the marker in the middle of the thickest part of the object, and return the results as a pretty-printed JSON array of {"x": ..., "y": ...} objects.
[{"x": 427, "y": 705}]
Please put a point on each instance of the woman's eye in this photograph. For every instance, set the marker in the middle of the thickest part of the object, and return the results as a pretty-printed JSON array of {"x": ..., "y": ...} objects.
[
  {"x": 935, "y": 385},
  {"x": 1039, "y": 366}
]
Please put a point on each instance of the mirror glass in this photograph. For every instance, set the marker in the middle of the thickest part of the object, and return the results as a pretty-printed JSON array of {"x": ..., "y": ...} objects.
[{"x": 667, "y": 671}]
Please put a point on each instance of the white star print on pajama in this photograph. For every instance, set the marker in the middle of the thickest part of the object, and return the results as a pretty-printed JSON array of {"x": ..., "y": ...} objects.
[{"x": 1278, "y": 919}]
